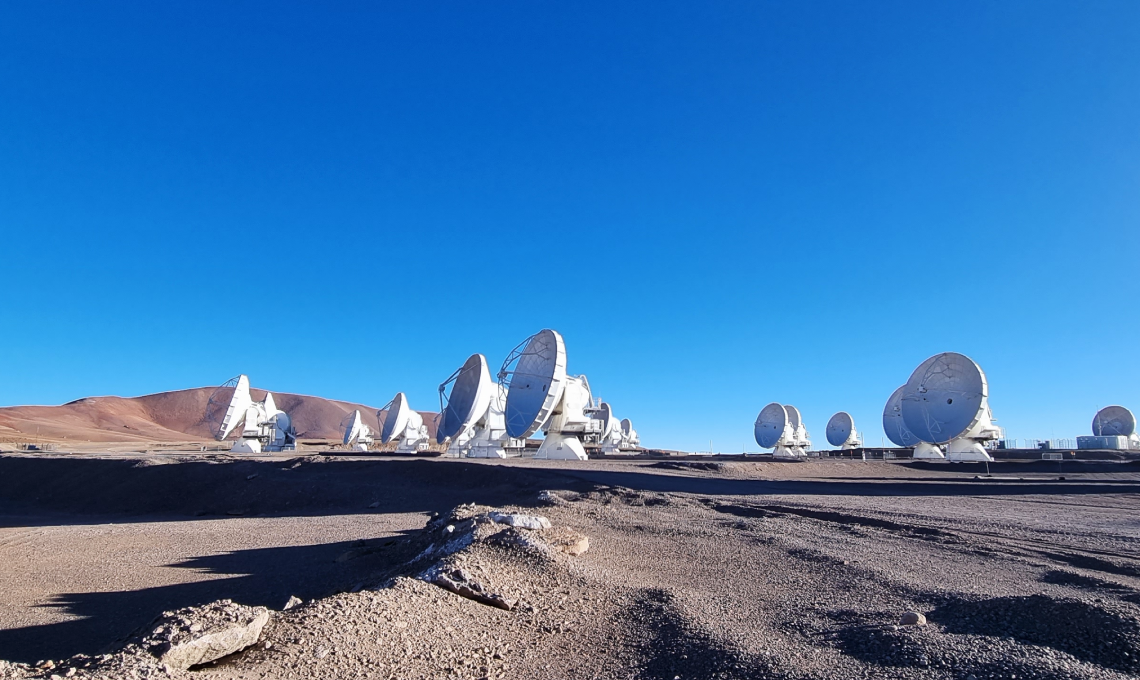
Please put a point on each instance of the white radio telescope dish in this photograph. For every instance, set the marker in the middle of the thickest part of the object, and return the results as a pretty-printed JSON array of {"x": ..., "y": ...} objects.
[
  {"x": 356, "y": 434},
  {"x": 472, "y": 414},
  {"x": 617, "y": 436},
  {"x": 403, "y": 425},
  {"x": 946, "y": 402},
  {"x": 841, "y": 431},
  {"x": 631, "y": 439},
  {"x": 799, "y": 430},
  {"x": 264, "y": 426},
  {"x": 774, "y": 429},
  {"x": 897, "y": 432},
  {"x": 1114, "y": 421},
  {"x": 542, "y": 396},
  {"x": 893, "y": 424}
]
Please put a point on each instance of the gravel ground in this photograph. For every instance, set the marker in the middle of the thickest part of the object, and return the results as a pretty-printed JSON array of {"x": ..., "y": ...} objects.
[{"x": 691, "y": 572}]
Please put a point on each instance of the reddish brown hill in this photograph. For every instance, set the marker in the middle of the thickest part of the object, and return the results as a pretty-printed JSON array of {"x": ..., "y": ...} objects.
[{"x": 167, "y": 417}]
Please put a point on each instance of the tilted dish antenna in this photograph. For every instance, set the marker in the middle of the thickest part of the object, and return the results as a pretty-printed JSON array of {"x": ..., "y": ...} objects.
[
  {"x": 356, "y": 434},
  {"x": 471, "y": 415},
  {"x": 542, "y": 396},
  {"x": 946, "y": 402},
  {"x": 612, "y": 436},
  {"x": 841, "y": 431},
  {"x": 227, "y": 407},
  {"x": 896, "y": 430},
  {"x": 404, "y": 425},
  {"x": 630, "y": 438},
  {"x": 264, "y": 426},
  {"x": 773, "y": 430},
  {"x": 799, "y": 430},
  {"x": 1114, "y": 421}
]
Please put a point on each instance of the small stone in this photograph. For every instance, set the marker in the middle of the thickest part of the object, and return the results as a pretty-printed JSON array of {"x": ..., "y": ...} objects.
[
  {"x": 293, "y": 602},
  {"x": 912, "y": 619},
  {"x": 253, "y": 476},
  {"x": 375, "y": 505},
  {"x": 519, "y": 520}
]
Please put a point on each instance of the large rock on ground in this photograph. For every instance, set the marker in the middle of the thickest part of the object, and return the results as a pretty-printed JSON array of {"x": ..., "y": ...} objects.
[{"x": 197, "y": 635}]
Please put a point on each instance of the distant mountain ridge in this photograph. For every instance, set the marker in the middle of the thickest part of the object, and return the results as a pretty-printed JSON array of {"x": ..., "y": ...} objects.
[{"x": 169, "y": 417}]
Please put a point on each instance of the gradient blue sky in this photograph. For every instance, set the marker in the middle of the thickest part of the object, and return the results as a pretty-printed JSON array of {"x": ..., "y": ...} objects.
[{"x": 718, "y": 204}]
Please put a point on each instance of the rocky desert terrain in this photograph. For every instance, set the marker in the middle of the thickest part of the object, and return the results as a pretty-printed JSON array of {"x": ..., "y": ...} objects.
[{"x": 332, "y": 567}]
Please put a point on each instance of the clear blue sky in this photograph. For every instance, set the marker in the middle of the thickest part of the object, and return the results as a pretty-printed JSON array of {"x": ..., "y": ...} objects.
[{"x": 719, "y": 205}]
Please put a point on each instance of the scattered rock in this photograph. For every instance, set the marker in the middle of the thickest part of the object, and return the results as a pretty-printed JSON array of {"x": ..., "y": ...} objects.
[
  {"x": 567, "y": 540},
  {"x": 293, "y": 602},
  {"x": 520, "y": 521},
  {"x": 461, "y": 583},
  {"x": 375, "y": 505},
  {"x": 913, "y": 619},
  {"x": 253, "y": 476},
  {"x": 197, "y": 635}
]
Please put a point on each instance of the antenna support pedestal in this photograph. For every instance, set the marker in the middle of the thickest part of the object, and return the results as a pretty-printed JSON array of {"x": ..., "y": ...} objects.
[
  {"x": 965, "y": 449},
  {"x": 926, "y": 451},
  {"x": 559, "y": 446}
]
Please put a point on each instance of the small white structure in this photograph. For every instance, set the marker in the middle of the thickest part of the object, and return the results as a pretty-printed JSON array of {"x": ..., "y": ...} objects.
[
  {"x": 264, "y": 427},
  {"x": 404, "y": 425},
  {"x": 357, "y": 435},
  {"x": 774, "y": 430},
  {"x": 841, "y": 431},
  {"x": 471, "y": 417},
  {"x": 946, "y": 402},
  {"x": 541, "y": 395}
]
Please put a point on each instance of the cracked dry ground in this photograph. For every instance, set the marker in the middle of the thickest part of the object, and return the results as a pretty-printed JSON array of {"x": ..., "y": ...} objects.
[{"x": 685, "y": 585}]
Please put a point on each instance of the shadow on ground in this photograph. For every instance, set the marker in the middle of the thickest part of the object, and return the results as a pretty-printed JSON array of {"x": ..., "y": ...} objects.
[{"x": 266, "y": 576}]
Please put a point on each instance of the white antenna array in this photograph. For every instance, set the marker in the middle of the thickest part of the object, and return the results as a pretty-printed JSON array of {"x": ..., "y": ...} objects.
[
  {"x": 264, "y": 426},
  {"x": 775, "y": 429},
  {"x": 946, "y": 403},
  {"x": 471, "y": 416},
  {"x": 542, "y": 396}
]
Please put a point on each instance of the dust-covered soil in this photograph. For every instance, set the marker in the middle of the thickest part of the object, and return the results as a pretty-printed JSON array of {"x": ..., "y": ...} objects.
[{"x": 402, "y": 570}]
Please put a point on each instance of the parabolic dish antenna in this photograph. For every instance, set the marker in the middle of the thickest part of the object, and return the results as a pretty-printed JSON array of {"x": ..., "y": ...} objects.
[
  {"x": 794, "y": 416},
  {"x": 840, "y": 429},
  {"x": 944, "y": 398},
  {"x": 399, "y": 413},
  {"x": 946, "y": 402},
  {"x": 771, "y": 425},
  {"x": 611, "y": 437},
  {"x": 471, "y": 392},
  {"x": 536, "y": 382},
  {"x": 630, "y": 438},
  {"x": 263, "y": 425},
  {"x": 893, "y": 424},
  {"x": 609, "y": 423},
  {"x": 1114, "y": 421},
  {"x": 352, "y": 425},
  {"x": 227, "y": 406}
]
